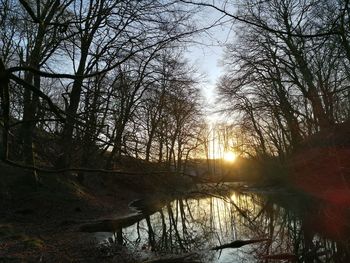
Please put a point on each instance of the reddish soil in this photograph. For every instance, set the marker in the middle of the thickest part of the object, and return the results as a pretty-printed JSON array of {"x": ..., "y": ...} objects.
[{"x": 321, "y": 168}]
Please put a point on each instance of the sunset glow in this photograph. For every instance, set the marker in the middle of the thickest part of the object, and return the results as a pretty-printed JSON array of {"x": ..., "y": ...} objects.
[{"x": 229, "y": 156}]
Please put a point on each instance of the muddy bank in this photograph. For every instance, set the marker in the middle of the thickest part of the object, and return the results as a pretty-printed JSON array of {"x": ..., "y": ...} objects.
[{"x": 41, "y": 223}]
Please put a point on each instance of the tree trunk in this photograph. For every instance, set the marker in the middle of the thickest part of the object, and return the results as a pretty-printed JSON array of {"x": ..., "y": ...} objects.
[
  {"x": 5, "y": 108},
  {"x": 149, "y": 143},
  {"x": 116, "y": 153},
  {"x": 311, "y": 93},
  {"x": 31, "y": 101},
  {"x": 74, "y": 100}
]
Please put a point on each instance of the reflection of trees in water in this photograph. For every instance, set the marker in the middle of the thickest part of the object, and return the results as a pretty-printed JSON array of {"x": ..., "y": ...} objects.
[
  {"x": 291, "y": 228},
  {"x": 188, "y": 225}
]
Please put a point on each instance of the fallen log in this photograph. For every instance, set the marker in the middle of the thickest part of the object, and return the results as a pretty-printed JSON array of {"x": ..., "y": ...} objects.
[
  {"x": 111, "y": 225},
  {"x": 239, "y": 243}
]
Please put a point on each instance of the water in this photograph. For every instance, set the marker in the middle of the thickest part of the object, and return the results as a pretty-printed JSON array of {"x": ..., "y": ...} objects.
[{"x": 297, "y": 228}]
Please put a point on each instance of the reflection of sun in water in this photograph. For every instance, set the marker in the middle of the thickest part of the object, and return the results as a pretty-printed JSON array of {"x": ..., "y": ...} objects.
[{"x": 229, "y": 156}]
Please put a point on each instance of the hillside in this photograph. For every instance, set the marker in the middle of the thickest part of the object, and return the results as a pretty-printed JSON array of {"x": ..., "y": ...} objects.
[{"x": 321, "y": 165}]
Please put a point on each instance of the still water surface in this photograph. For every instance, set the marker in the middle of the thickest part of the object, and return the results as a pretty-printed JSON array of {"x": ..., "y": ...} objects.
[{"x": 297, "y": 229}]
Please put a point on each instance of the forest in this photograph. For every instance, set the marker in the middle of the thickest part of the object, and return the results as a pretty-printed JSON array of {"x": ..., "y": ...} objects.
[{"x": 102, "y": 103}]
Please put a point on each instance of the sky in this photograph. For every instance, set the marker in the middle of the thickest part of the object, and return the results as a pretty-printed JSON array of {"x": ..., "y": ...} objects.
[
  {"x": 207, "y": 60},
  {"x": 207, "y": 54}
]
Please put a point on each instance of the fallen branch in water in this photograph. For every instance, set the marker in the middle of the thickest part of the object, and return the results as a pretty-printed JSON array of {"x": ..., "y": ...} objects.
[
  {"x": 239, "y": 243},
  {"x": 111, "y": 225},
  {"x": 282, "y": 256},
  {"x": 187, "y": 258}
]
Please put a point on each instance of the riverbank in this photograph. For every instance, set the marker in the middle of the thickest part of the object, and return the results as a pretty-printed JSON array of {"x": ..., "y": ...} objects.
[{"x": 41, "y": 224}]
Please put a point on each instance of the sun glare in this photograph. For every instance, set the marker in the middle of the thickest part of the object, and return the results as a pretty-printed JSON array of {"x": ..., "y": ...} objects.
[{"x": 229, "y": 156}]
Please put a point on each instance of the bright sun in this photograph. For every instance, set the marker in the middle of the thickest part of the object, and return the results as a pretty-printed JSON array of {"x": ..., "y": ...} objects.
[{"x": 229, "y": 156}]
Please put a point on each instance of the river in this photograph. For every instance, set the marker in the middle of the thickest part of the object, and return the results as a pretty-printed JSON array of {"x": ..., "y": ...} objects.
[{"x": 291, "y": 227}]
